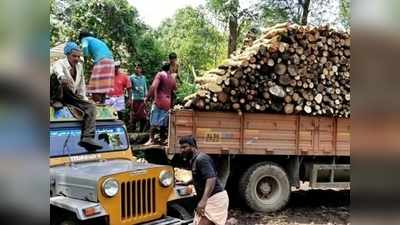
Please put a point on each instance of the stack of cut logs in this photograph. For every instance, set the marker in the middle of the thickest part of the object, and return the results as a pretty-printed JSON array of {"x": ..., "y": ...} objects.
[{"x": 290, "y": 69}]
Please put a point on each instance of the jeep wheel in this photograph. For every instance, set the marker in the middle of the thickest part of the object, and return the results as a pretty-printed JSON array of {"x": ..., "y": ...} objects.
[{"x": 265, "y": 187}]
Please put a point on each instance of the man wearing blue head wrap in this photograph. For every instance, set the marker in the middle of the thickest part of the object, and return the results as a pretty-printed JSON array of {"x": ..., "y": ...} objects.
[
  {"x": 71, "y": 46},
  {"x": 68, "y": 83}
]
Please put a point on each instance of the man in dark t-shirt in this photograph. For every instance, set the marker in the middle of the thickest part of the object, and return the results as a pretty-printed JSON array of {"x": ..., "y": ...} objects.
[{"x": 212, "y": 199}]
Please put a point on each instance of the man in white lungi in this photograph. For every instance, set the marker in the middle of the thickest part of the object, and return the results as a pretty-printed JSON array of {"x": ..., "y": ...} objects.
[{"x": 212, "y": 199}]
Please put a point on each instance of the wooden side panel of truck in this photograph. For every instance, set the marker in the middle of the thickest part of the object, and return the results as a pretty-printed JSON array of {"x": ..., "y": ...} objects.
[
  {"x": 272, "y": 153},
  {"x": 261, "y": 134}
]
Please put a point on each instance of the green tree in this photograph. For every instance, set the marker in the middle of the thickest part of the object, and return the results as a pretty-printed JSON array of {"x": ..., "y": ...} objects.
[
  {"x": 345, "y": 13},
  {"x": 114, "y": 21},
  {"x": 273, "y": 15},
  {"x": 235, "y": 18},
  {"x": 198, "y": 44},
  {"x": 149, "y": 53},
  {"x": 292, "y": 10},
  {"x": 58, "y": 28}
]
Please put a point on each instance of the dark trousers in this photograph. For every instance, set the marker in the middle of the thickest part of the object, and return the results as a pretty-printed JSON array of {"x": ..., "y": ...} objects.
[
  {"x": 59, "y": 93},
  {"x": 121, "y": 115},
  {"x": 64, "y": 95},
  {"x": 89, "y": 112}
]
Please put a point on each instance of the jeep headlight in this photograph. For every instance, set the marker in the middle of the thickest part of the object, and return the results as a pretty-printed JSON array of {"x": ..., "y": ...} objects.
[
  {"x": 110, "y": 187},
  {"x": 166, "y": 178}
]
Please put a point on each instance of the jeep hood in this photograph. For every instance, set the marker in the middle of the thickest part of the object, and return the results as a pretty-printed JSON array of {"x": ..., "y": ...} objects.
[{"x": 80, "y": 180}]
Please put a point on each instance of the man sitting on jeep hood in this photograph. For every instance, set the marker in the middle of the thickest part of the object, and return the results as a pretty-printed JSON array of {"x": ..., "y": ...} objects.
[{"x": 69, "y": 84}]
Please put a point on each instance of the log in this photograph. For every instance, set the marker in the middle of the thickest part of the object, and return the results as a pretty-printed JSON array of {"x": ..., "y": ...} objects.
[
  {"x": 296, "y": 97},
  {"x": 288, "y": 99},
  {"x": 318, "y": 98},
  {"x": 292, "y": 70},
  {"x": 297, "y": 69},
  {"x": 298, "y": 108},
  {"x": 266, "y": 95},
  {"x": 270, "y": 62},
  {"x": 289, "y": 108},
  {"x": 307, "y": 109},
  {"x": 280, "y": 69},
  {"x": 284, "y": 79},
  {"x": 277, "y": 91},
  {"x": 236, "y": 106},
  {"x": 222, "y": 97}
]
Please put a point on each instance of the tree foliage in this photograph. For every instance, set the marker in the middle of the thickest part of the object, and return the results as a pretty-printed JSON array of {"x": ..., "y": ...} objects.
[
  {"x": 236, "y": 19},
  {"x": 273, "y": 15},
  {"x": 281, "y": 10},
  {"x": 115, "y": 22},
  {"x": 314, "y": 12},
  {"x": 198, "y": 44},
  {"x": 345, "y": 13}
]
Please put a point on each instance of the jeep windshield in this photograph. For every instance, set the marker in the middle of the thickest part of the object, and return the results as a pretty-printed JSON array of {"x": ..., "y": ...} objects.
[{"x": 64, "y": 139}]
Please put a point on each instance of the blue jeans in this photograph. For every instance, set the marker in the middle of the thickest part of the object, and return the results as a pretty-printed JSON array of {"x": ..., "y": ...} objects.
[{"x": 158, "y": 117}]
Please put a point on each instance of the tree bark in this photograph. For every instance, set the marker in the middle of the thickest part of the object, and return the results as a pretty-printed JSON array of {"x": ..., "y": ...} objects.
[
  {"x": 304, "y": 16},
  {"x": 233, "y": 33}
]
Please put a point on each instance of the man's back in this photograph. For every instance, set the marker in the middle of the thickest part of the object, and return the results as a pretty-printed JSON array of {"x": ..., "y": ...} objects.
[
  {"x": 165, "y": 84},
  {"x": 96, "y": 48}
]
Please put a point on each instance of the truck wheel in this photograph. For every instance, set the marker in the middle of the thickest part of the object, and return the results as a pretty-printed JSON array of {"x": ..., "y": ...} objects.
[
  {"x": 178, "y": 211},
  {"x": 265, "y": 187},
  {"x": 69, "y": 221}
]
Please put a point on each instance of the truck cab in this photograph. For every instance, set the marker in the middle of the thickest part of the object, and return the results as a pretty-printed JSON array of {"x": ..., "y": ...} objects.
[{"x": 107, "y": 186}]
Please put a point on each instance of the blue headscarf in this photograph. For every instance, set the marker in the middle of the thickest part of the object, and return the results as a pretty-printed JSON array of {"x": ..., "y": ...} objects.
[{"x": 70, "y": 46}]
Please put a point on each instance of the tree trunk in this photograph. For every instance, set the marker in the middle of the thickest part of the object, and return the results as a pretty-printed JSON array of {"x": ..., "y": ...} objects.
[
  {"x": 233, "y": 33},
  {"x": 304, "y": 17}
]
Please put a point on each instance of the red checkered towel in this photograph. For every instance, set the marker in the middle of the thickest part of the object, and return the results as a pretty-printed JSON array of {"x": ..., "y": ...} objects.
[{"x": 102, "y": 79}]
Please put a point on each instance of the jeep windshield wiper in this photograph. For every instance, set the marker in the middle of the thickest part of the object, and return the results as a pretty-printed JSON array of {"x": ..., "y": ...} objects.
[{"x": 65, "y": 147}]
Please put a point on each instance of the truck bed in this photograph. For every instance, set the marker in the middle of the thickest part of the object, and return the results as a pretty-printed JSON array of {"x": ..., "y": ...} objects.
[{"x": 261, "y": 133}]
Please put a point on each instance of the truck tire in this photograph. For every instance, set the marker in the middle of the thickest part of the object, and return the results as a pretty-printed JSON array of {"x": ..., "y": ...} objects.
[
  {"x": 178, "y": 211},
  {"x": 69, "y": 221},
  {"x": 74, "y": 221},
  {"x": 265, "y": 187}
]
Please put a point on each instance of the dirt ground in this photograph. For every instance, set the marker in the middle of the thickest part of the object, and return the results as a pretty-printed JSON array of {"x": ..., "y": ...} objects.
[{"x": 325, "y": 207}]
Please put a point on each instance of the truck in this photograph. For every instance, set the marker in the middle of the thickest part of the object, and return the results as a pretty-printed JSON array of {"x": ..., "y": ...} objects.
[
  {"x": 108, "y": 186},
  {"x": 263, "y": 157}
]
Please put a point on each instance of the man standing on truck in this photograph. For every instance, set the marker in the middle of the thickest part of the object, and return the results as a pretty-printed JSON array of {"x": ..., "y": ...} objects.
[
  {"x": 212, "y": 199},
  {"x": 116, "y": 98},
  {"x": 138, "y": 109},
  {"x": 68, "y": 81},
  {"x": 102, "y": 78},
  {"x": 162, "y": 91}
]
